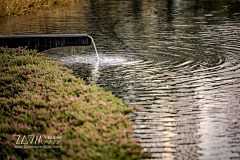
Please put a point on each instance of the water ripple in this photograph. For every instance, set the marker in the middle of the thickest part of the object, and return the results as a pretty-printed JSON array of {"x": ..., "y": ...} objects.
[{"x": 178, "y": 59}]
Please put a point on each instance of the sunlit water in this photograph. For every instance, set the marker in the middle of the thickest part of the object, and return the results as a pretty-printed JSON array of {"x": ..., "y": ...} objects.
[{"x": 179, "y": 59}]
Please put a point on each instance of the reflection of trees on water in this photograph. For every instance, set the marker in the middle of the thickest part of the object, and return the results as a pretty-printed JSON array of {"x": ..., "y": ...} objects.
[
  {"x": 181, "y": 84},
  {"x": 62, "y": 19},
  {"x": 101, "y": 15},
  {"x": 176, "y": 28}
]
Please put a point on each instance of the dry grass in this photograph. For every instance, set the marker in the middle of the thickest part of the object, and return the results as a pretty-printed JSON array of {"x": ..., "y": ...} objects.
[{"x": 9, "y": 8}]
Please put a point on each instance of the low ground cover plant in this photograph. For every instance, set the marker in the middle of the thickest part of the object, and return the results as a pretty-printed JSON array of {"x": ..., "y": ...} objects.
[
  {"x": 9, "y": 8},
  {"x": 43, "y": 105}
]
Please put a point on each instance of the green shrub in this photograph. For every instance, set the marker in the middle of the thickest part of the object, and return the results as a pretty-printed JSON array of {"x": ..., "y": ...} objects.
[{"x": 41, "y": 98}]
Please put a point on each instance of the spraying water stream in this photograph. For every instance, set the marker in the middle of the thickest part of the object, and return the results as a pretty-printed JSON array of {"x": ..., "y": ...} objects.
[
  {"x": 94, "y": 48},
  {"x": 178, "y": 59}
]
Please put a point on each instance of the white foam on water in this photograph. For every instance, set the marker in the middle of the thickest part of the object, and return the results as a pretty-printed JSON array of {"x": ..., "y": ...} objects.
[{"x": 103, "y": 60}]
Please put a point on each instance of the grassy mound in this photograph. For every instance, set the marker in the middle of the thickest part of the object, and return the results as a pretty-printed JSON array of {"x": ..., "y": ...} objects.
[
  {"x": 11, "y": 8},
  {"x": 40, "y": 98}
]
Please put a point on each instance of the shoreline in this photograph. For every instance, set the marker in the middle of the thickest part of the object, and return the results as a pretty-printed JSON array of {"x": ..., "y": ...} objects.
[{"x": 47, "y": 113}]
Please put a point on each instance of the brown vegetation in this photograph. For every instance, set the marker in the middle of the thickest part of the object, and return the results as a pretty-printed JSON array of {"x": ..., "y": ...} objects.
[{"x": 9, "y": 8}]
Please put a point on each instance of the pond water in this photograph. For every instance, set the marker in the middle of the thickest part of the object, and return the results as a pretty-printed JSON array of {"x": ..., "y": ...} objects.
[{"x": 179, "y": 59}]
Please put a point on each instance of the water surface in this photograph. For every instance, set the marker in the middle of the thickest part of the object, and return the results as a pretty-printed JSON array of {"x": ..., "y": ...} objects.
[{"x": 179, "y": 59}]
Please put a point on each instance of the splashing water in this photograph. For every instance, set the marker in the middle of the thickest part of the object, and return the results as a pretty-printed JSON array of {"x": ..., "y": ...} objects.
[{"x": 105, "y": 60}]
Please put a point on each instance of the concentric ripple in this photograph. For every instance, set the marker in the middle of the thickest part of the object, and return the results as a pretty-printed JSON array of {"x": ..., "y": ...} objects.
[{"x": 178, "y": 59}]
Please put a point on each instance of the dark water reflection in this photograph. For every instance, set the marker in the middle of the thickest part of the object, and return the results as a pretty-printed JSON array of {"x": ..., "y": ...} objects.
[{"x": 179, "y": 59}]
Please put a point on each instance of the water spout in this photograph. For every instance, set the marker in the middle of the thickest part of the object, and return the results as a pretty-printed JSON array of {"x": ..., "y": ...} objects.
[
  {"x": 95, "y": 48},
  {"x": 95, "y": 72}
]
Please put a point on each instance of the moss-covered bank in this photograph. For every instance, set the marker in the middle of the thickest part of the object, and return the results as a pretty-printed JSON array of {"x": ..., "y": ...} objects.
[
  {"x": 38, "y": 97},
  {"x": 9, "y": 8}
]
